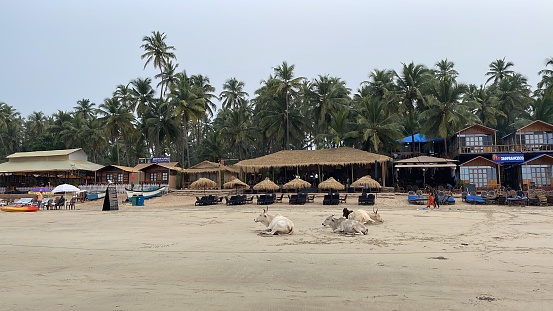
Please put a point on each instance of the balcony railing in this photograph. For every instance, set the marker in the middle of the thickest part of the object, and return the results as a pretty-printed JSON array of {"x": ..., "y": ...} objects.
[{"x": 533, "y": 148}]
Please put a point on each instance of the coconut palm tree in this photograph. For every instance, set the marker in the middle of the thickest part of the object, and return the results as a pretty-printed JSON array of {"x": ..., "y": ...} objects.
[
  {"x": 445, "y": 113},
  {"x": 288, "y": 85},
  {"x": 499, "y": 70},
  {"x": 546, "y": 83},
  {"x": 116, "y": 120},
  {"x": 445, "y": 69},
  {"x": 85, "y": 109},
  {"x": 410, "y": 85},
  {"x": 166, "y": 76},
  {"x": 233, "y": 95},
  {"x": 188, "y": 105},
  {"x": 142, "y": 94},
  {"x": 484, "y": 104},
  {"x": 377, "y": 124},
  {"x": 157, "y": 51},
  {"x": 380, "y": 84}
]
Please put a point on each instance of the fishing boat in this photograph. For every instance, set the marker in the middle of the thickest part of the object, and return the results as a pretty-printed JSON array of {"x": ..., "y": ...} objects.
[
  {"x": 91, "y": 196},
  {"x": 147, "y": 193},
  {"x": 28, "y": 208}
]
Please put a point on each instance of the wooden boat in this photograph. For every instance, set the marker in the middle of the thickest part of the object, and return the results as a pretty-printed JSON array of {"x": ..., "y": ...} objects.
[
  {"x": 95, "y": 195},
  {"x": 147, "y": 193},
  {"x": 28, "y": 208}
]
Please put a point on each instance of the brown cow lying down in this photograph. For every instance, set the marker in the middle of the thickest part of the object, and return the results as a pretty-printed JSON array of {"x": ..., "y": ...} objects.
[
  {"x": 362, "y": 216},
  {"x": 344, "y": 225},
  {"x": 276, "y": 224}
]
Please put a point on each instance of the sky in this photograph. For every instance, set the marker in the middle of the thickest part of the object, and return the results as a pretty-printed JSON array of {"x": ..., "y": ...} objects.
[{"x": 54, "y": 53}]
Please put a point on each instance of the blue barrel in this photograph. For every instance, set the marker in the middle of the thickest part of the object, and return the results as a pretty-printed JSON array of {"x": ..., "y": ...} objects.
[{"x": 140, "y": 200}]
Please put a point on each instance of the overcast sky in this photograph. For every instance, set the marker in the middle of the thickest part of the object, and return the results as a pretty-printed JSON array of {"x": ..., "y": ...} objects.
[{"x": 53, "y": 53}]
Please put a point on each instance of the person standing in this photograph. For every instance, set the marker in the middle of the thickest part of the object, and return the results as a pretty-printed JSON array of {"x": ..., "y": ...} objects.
[{"x": 39, "y": 198}]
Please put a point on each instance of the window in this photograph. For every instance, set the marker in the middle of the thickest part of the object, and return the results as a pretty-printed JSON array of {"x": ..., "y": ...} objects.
[
  {"x": 165, "y": 176},
  {"x": 478, "y": 175},
  {"x": 474, "y": 143},
  {"x": 120, "y": 178},
  {"x": 540, "y": 174},
  {"x": 153, "y": 176},
  {"x": 533, "y": 140},
  {"x": 109, "y": 177}
]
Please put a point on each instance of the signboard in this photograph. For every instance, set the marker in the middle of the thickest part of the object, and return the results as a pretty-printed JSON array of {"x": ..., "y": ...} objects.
[
  {"x": 508, "y": 158},
  {"x": 161, "y": 160},
  {"x": 110, "y": 200}
]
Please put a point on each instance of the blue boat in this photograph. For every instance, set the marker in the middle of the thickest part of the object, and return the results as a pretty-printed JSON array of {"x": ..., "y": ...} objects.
[
  {"x": 147, "y": 193},
  {"x": 91, "y": 196}
]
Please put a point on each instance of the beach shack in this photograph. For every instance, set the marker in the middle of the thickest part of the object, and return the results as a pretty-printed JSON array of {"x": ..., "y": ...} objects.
[
  {"x": 119, "y": 174},
  {"x": 160, "y": 173},
  {"x": 481, "y": 172}
]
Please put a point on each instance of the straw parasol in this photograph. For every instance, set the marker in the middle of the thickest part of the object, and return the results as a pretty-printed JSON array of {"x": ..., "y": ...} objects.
[
  {"x": 203, "y": 183},
  {"x": 235, "y": 183},
  {"x": 297, "y": 183},
  {"x": 331, "y": 184},
  {"x": 366, "y": 182},
  {"x": 266, "y": 184}
]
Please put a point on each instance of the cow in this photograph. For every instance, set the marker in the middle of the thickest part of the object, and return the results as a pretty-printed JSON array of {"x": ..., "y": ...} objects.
[
  {"x": 345, "y": 226},
  {"x": 362, "y": 216},
  {"x": 276, "y": 224}
]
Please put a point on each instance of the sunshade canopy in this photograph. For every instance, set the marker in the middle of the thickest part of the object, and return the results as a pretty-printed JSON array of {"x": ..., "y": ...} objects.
[
  {"x": 267, "y": 185},
  {"x": 65, "y": 188},
  {"x": 203, "y": 183},
  {"x": 366, "y": 182},
  {"x": 331, "y": 184},
  {"x": 297, "y": 183},
  {"x": 235, "y": 183}
]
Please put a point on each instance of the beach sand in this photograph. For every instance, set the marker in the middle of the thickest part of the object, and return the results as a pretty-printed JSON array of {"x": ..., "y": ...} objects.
[{"x": 172, "y": 255}]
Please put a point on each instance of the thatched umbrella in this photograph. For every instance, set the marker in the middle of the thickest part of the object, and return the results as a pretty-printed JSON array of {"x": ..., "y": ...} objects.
[
  {"x": 266, "y": 184},
  {"x": 366, "y": 182},
  {"x": 203, "y": 183},
  {"x": 235, "y": 183},
  {"x": 297, "y": 183},
  {"x": 331, "y": 184}
]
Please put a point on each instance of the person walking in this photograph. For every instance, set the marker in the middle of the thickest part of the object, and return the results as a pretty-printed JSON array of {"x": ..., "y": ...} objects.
[{"x": 39, "y": 198}]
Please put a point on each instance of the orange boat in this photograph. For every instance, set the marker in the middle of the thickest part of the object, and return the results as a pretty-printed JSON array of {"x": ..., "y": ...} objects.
[{"x": 30, "y": 208}]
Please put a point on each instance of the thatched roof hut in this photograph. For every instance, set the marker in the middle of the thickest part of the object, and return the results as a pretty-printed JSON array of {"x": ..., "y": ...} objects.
[
  {"x": 297, "y": 159},
  {"x": 304, "y": 158}
]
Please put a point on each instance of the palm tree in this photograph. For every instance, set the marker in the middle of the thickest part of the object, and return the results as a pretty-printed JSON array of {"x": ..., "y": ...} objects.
[
  {"x": 236, "y": 130},
  {"x": 484, "y": 104},
  {"x": 410, "y": 86},
  {"x": 377, "y": 124},
  {"x": 85, "y": 109},
  {"x": 445, "y": 112},
  {"x": 157, "y": 51},
  {"x": 546, "y": 82},
  {"x": 340, "y": 130},
  {"x": 541, "y": 108},
  {"x": 324, "y": 95},
  {"x": 444, "y": 69},
  {"x": 142, "y": 94},
  {"x": 499, "y": 70},
  {"x": 288, "y": 85},
  {"x": 9, "y": 120},
  {"x": 167, "y": 76},
  {"x": 188, "y": 106},
  {"x": 233, "y": 94},
  {"x": 116, "y": 120},
  {"x": 380, "y": 84}
]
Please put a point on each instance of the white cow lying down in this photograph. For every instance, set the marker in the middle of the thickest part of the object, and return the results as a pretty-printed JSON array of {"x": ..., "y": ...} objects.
[
  {"x": 345, "y": 226},
  {"x": 363, "y": 216},
  {"x": 276, "y": 224}
]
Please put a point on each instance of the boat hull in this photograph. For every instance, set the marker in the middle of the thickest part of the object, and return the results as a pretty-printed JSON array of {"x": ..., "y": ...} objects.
[
  {"x": 147, "y": 194},
  {"x": 95, "y": 196},
  {"x": 19, "y": 208}
]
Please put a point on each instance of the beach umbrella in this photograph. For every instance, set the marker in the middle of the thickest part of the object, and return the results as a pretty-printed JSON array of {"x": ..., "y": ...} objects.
[
  {"x": 235, "y": 183},
  {"x": 267, "y": 185},
  {"x": 39, "y": 189},
  {"x": 297, "y": 183},
  {"x": 203, "y": 183},
  {"x": 366, "y": 182},
  {"x": 331, "y": 184},
  {"x": 65, "y": 188}
]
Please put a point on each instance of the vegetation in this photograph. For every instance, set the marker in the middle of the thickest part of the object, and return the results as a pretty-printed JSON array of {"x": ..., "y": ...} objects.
[{"x": 178, "y": 116}]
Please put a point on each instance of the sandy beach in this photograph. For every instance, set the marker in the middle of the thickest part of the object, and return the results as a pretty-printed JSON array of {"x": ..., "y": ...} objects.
[{"x": 172, "y": 255}]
